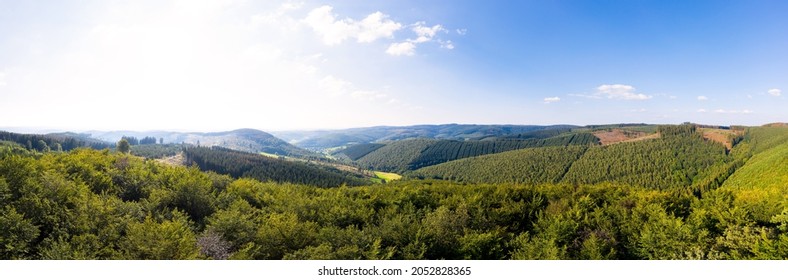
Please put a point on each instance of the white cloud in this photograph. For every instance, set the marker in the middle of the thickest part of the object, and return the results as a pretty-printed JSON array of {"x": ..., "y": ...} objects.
[
  {"x": 373, "y": 27},
  {"x": 722, "y": 111},
  {"x": 322, "y": 21},
  {"x": 641, "y": 110},
  {"x": 291, "y": 6},
  {"x": 447, "y": 45},
  {"x": 370, "y": 95},
  {"x": 279, "y": 18},
  {"x": 702, "y": 98},
  {"x": 702, "y": 111},
  {"x": 586, "y": 96},
  {"x": 461, "y": 31},
  {"x": 673, "y": 97},
  {"x": 424, "y": 34},
  {"x": 404, "y": 48},
  {"x": 334, "y": 86},
  {"x": 237, "y": 58},
  {"x": 775, "y": 92},
  {"x": 549, "y": 100},
  {"x": 619, "y": 91}
]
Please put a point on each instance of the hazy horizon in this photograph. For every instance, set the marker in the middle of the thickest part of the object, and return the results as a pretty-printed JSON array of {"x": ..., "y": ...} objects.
[
  {"x": 44, "y": 130},
  {"x": 308, "y": 65}
]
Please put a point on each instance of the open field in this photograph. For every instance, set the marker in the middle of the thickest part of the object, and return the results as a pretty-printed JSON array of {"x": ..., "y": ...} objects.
[
  {"x": 722, "y": 136},
  {"x": 607, "y": 137},
  {"x": 388, "y": 177}
]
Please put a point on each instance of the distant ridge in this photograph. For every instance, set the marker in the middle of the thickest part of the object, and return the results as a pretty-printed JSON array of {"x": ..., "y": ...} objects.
[
  {"x": 777, "y": 124},
  {"x": 245, "y": 139},
  {"x": 325, "y": 139}
]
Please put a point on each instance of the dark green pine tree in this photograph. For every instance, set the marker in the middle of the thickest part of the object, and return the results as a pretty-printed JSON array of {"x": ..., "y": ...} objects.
[{"x": 123, "y": 146}]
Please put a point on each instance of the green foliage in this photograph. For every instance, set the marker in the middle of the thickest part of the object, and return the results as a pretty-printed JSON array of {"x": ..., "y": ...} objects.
[
  {"x": 760, "y": 185},
  {"x": 676, "y": 160},
  {"x": 527, "y": 166},
  {"x": 8, "y": 148},
  {"x": 449, "y": 150},
  {"x": 253, "y": 141},
  {"x": 355, "y": 152},
  {"x": 395, "y": 156},
  {"x": 187, "y": 190},
  {"x": 124, "y": 146},
  {"x": 765, "y": 138},
  {"x": 43, "y": 143},
  {"x": 87, "y": 204},
  {"x": 156, "y": 150},
  {"x": 16, "y": 234},
  {"x": 661, "y": 236},
  {"x": 239, "y": 164},
  {"x": 676, "y": 130},
  {"x": 413, "y": 154},
  {"x": 322, "y": 140},
  {"x": 166, "y": 240}
]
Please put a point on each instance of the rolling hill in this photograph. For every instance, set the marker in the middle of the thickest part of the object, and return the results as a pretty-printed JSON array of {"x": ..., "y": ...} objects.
[
  {"x": 326, "y": 139},
  {"x": 412, "y": 154},
  {"x": 65, "y": 141},
  {"x": 247, "y": 140},
  {"x": 761, "y": 185},
  {"x": 241, "y": 164},
  {"x": 679, "y": 196},
  {"x": 395, "y": 156},
  {"x": 525, "y": 166},
  {"x": 679, "y": 158}
]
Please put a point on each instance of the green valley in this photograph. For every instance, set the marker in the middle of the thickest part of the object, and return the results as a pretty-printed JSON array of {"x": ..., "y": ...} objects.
[{"x": 677, "y": 196}]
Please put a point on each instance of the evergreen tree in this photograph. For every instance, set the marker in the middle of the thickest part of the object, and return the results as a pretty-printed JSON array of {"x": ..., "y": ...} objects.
[
  {"x": 42, "y": 146},
  {"x": 123, "y": 146}
]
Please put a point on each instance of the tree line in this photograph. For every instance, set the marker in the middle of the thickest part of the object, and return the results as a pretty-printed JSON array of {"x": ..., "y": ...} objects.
[
  {"x": 405, "y": 155},
  {"x": 45, "y": 143},
  {"x": 148, "y": 140},
  {"x": 680, "y": 158},
  {"x": 240, "y": 164}
]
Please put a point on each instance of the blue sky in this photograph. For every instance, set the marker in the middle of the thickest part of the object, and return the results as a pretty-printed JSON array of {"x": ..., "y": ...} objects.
[{"x": 279, "y": 65}]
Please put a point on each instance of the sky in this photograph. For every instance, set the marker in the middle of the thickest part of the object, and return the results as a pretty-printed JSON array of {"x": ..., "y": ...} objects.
[{"x": 296, "y": 65}]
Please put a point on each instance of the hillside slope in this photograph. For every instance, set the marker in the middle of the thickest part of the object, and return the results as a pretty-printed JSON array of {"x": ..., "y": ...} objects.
[
  {"x": 395, "y": 156},
  {"x": 321, "y": 140},
  {"x": 247, "y": 140},
  {"x": 240, "y": 164},
  {"x": 680, "y": 158},
  {"x": 414, "y": 154},
  {"x": 526, "y": 166},
  {"x": 65, "y": 141},
  {"x": 761, "y": 185}
]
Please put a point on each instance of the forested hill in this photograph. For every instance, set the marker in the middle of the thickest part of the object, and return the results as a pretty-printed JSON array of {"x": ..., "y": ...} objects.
[
  {"x": 247, "y": 140},
  {"x": 88, "y": 204},
  {"x": 680, "y": 158},
  {"x": 761, "y": 185},
  {"x": 240, "y": 164},
  {"x": 325, "y": 139},
  {"x": 54, "y": 141},
  {"x": 103, "y": 204},
  {"x": 412, "y": 154},
  {"x": 525, "y": 166}
]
